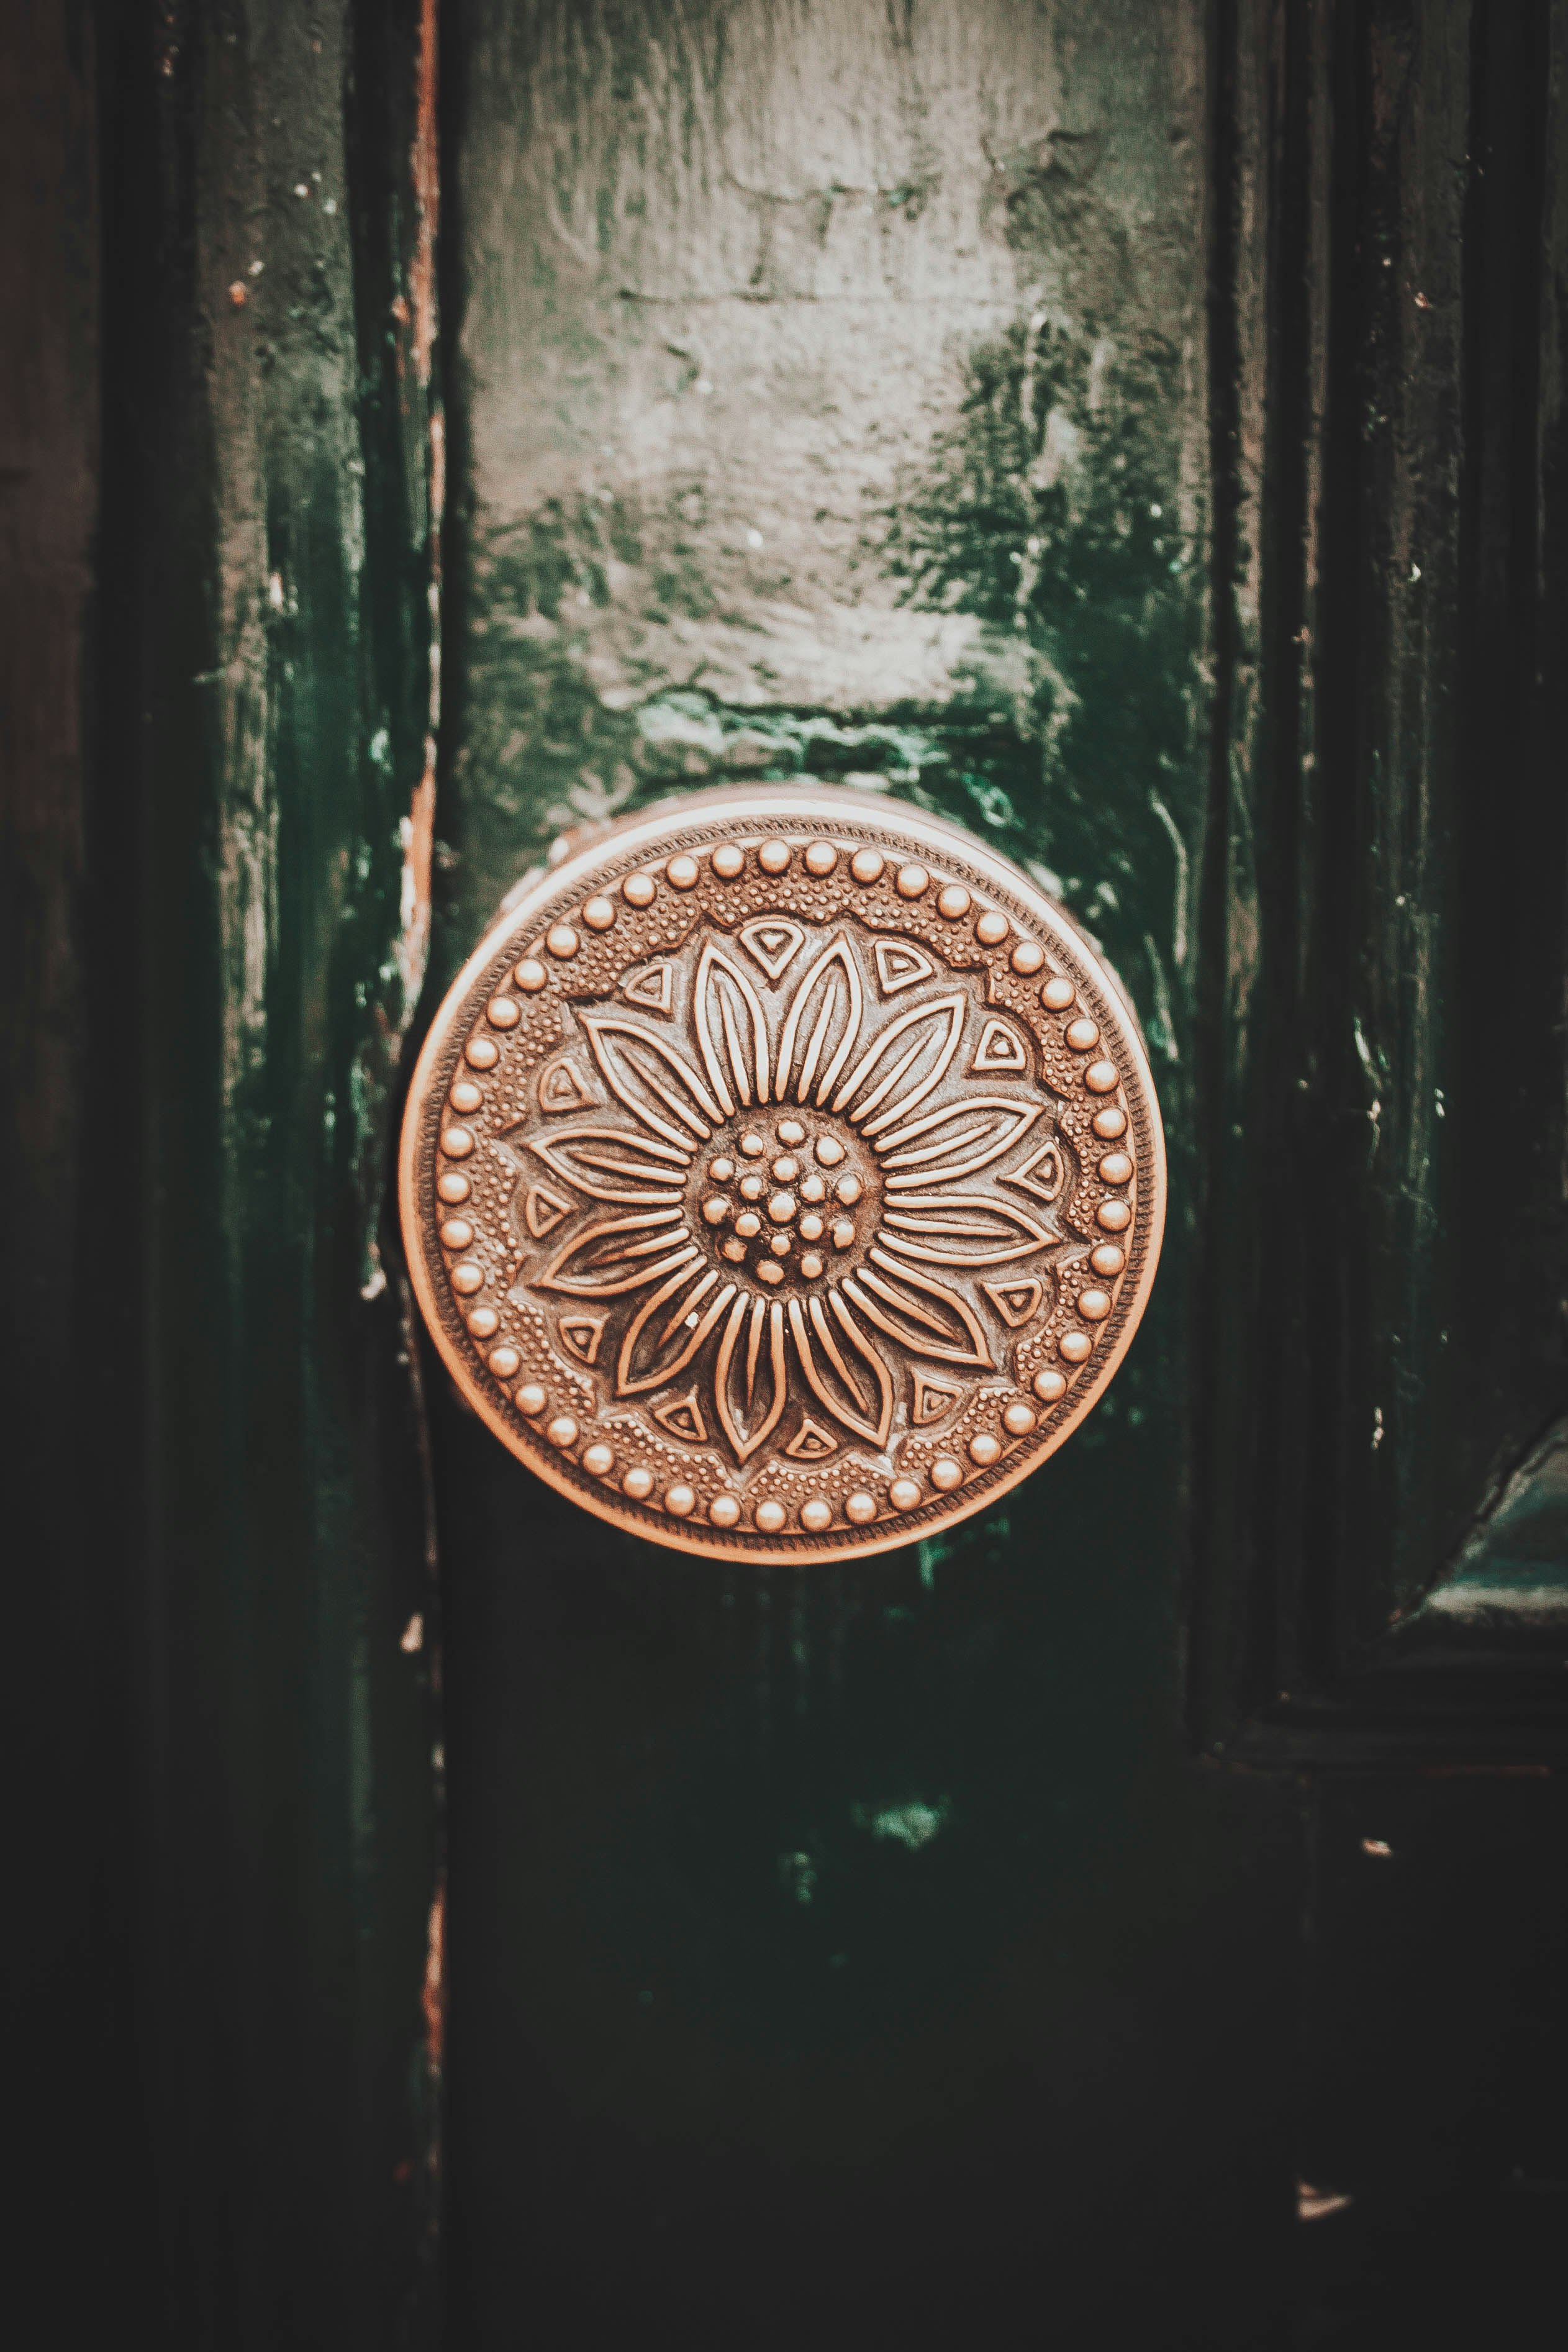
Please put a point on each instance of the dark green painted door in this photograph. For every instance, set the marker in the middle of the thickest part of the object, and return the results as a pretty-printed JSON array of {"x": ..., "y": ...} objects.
[
  {"x": 849, "y": 1955},
  {"x": 1135, "y": 429}
]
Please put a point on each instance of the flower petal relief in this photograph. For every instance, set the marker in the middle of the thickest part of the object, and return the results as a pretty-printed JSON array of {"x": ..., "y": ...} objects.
[{"x": 764, "y": 1198}]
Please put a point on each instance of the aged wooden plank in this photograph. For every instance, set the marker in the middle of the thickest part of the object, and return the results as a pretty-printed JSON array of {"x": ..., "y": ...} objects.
[
  {"x": 1387, "y": 1118},
  {"x": 833, "y": 401},
  {"x": 269, "y": 585},
  {"x": 66, "y": 1988}
]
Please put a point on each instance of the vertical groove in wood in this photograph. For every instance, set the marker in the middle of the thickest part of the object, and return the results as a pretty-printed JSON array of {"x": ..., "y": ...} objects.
[
  {"x": 270, "y": 589},
  {"x": 63, "y": 1964},
  {"x": 1403, "y": 586},
  {"x": 1395, "y": 852}
]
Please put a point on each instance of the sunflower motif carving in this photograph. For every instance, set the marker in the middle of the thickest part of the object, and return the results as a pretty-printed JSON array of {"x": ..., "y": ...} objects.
[
  {"x": 787, "y": 1191},
  {"x": 789, "y": 1199}
]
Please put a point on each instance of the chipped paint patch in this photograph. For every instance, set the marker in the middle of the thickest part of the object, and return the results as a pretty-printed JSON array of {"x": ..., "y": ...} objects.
[
  {"x": 1317, "y": 2204},
  {"x": 417, "y": 835},
  {"x": 913, "y": 1824},
  {"x": 433, "y": 1992},
  {"x": 815, "y": 403},
  {"x": 425, "y": 170}
]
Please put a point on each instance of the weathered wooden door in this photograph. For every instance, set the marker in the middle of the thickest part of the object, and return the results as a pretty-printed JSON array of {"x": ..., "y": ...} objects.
[{"x": 1133, "y": 430}]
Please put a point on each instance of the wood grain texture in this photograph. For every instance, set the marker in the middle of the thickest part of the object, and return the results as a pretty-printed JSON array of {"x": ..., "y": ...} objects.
[
  {"x": 783, "y": 334},
  {"x": 272, "y": 498},
  {"x": 1135, "y": 430},
  {"x": 64, "y": 1968},
  {"x": 830, "y": 401},
  {"x": 1386, "y": 888}
]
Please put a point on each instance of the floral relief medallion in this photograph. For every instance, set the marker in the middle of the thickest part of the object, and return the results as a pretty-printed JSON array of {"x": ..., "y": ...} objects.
[{"x": 782, "y": 1174}]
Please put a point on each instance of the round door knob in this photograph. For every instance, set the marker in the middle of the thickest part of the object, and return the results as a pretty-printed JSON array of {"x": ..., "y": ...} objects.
[{"x": 758, "y": 1173}]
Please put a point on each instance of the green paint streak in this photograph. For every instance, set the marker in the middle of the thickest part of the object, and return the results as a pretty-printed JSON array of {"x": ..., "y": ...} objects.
[
  {"x": 875, "y": 1832},
  {"x": 280, "y": 709},
  {"x": 1050, "y": 510}
]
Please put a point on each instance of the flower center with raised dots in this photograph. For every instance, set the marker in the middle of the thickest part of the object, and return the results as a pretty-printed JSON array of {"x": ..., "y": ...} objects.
[{"x": 786, "y": 1199}]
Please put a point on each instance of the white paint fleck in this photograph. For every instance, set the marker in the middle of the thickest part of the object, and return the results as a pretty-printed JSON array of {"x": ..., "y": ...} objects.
[
  {"x": 911, "y": 1825},
  {"x": 1162, "y": 1025},
  {"x": 1316, "y": 2204},
  {"x": 1363, "y": 1055},
  {"x": 1060, "y": 450},
  {"x": 1183, "y": 878}
]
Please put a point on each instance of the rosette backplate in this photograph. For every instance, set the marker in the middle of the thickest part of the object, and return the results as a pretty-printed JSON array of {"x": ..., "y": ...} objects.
[{"x": 782, "y": 1174}]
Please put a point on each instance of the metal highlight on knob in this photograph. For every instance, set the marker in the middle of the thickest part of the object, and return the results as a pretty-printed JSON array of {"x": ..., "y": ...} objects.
[{"x": 783, "y": 1175}]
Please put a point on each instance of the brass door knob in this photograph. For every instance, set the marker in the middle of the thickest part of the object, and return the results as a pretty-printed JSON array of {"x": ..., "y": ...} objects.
[{"x": 783, "y": 1174}]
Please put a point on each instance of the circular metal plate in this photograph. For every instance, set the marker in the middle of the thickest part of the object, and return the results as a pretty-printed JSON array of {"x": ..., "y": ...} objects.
[{"x": 783, "y": 1175}]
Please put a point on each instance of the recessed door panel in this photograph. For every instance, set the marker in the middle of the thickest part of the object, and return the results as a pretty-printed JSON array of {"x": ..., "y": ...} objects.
[{"x": 847, "y": 1944}]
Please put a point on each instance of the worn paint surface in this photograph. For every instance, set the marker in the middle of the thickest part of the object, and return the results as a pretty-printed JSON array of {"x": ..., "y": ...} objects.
[
  {"x": 269, "y": 594},
  {"x": 1383, "y": 1021},
  {"x": 1137, "y": 433},
  {"x": 834, "y": 405},
  {"x": 59, "y": 1965},
  {"x": 831, "y": 401},
  {"x": 857, "y": 1957}
]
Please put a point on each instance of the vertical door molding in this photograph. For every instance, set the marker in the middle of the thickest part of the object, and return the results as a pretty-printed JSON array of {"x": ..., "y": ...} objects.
[
  {"x": 270, "y": 607},
  {"x": 1385, "y": 888}
]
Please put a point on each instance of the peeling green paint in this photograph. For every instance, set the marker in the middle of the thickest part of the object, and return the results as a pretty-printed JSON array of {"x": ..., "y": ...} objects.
[{"x": 956, "y": 478}]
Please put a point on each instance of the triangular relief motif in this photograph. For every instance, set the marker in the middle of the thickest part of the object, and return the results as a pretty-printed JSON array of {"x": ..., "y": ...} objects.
[
  {"x": 561, "y": 1087},
  {"x": 1000, "y": 1048},
  {"x": 652, "y": 989},
  {"x": 812, "y": 1443},
  {"x": 1016, "y": 1302},
  {"x": 580, "y": 1335},
  {"x": 1043, "y": 1173},
  {"x": 683, "y": 1417},
  {"x": 930, "y": 1400},
  {"x": 543, "y": 1211},
  {"x": 899, "y": 965},
  {"x": 772, "y": 941}
]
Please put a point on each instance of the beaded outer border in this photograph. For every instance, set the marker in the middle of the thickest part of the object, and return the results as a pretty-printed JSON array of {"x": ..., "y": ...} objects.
[{"x": 691, "y": 827}]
